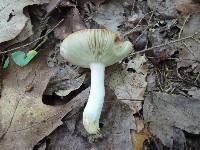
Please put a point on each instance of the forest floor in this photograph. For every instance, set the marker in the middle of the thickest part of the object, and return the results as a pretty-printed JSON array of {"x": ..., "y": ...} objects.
[{"x": 152, "y": 99}]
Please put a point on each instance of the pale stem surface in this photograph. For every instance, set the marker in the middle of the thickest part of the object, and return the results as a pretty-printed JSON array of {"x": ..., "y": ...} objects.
[{"x": 92, "y": 111}]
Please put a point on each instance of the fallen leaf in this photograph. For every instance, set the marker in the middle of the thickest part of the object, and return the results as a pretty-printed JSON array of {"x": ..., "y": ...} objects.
[
  {"x": 42, "y": 146},
  {"x": 129, "y": 86},
  {"x": 96, "y": 2},
  {"x": 66, "y": 79},
  {"x": 116, "y": 122},
  {"x": 22, "y": 59},
  {"x": 186, "y": 7},
  {"x": 23, "y": 35},
  {"x": 157, "y": 36},
  {"x": 165, "y": 112},
  {"x": 110, "y": 15},
  {"x": 12, "y": 19},
  {"x": 194, "y": 92},
  {"x": 139, "y": 124},
  {"x": 53, "y": 4},
  {"x": 63, "y": 139},
  {"x": 25, "y": 119},
  {"x": 138, "y": 138},
  {"x": 72, "y": 84},
  {"x": 169, "y": 136},
  {"x": 189, "y": 53},
  {"x": 165, "y": 8},
  {"x": 71, "y": 23}
]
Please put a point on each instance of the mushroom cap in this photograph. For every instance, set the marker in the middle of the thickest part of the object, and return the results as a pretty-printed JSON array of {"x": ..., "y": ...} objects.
[{"x": 94, "y": 46}]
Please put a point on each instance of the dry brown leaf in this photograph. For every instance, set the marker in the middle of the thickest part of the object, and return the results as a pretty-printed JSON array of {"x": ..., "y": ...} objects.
[
  {"x": 116, "y": 120},
  {"x": 139, "y": 124},
  {"x": 96, "y": 2},
  {"x": 194, "y": 92},
  {"x": 169, "y": 8},
  {"x": 169, "y": 136},
  {"x": 189, "y": 53},
  {"x": 66, "y": 79},
  {"x": 12, "y": 19},
  {"x": 138, "y": 138},
  {"x": 117, "y": 126},
  {"x": 173, "y": 110},
  {"x": 129, "y": 85},
  {"x": 24, "y": 34},
  {"x": 53, "y": 4},
  {"x": 110, "y": 15},
  {"x": 186, "y": 7},
  {"x": 165, "y": 8},
  {"x": 72, "y": 23},
  {"x": 42, "y": 146},
  {"x": 25, "y": 119},
  {"x": 168, "y": 115},
  {"x": 73, "y": 85}
]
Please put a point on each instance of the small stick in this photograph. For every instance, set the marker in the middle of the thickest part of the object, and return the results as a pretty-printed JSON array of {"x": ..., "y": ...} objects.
[
  {"x": 188, "y": 48},
  {"x": 146, "y": 27},
  {"x": 186, "y": 19},
  {"x": 130, "y": 100},
  {"x": 43, "y": 41},
  {"x": 196, "y": 40},
  {"x": 13, "y": 49},
  {"x": 132, "y": 30},
  {"x": 171, "y": 42},
  {"x": 197, "y": 78}
]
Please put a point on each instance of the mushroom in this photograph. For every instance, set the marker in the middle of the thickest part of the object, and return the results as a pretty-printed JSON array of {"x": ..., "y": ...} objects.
[{"x": 94, "y": 49}]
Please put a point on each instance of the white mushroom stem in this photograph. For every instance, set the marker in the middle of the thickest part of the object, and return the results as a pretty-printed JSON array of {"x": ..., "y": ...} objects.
[{"x": 92, "y": 111}]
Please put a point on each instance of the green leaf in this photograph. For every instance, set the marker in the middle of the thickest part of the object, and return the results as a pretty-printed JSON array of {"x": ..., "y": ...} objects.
[
  {"x": 22, "y": 59},
  {"x": 6, "y": 63}
]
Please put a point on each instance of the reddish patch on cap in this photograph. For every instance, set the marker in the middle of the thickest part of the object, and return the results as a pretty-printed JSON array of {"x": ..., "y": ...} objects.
[{"x": 117, "y": 39}]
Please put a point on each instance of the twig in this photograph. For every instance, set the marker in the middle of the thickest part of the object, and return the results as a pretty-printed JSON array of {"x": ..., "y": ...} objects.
[
  {"x": 196, "y": 40},
  {"x": 177, "y": 59},
  {"x": 130, "y": 100},
  {"x": 11, "y": 120},
  {"x": 186, "y": 19},
  {"x": 188, "y": 48},
  {"x": 13, "y": 49},
  {"x": 165, "y": 44},
  {"x": 159, "y": 74},
  {"x": 146, "y": 27},
  {"x": 132, "y": 30},
  {"x": 197, "y": 78},
  {"x": 41, "y": 43}
]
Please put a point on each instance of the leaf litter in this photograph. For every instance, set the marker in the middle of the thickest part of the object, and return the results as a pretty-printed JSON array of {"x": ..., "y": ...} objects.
[
  {"x": 27, "y": 114},
  {"x": 129, "y": 86},
  {"x": 165, "y": 112},
  {"x": 189, "y": 53},
  {"x": 117, "y": 121},
  {"x": 24, "y": 113},
  {"x": 72, "y": 23},
  {"x": 66, "y": 79}
]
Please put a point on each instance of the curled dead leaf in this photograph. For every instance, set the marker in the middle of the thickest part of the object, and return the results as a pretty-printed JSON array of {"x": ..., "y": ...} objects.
[{"x": 12, "y": 19}]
